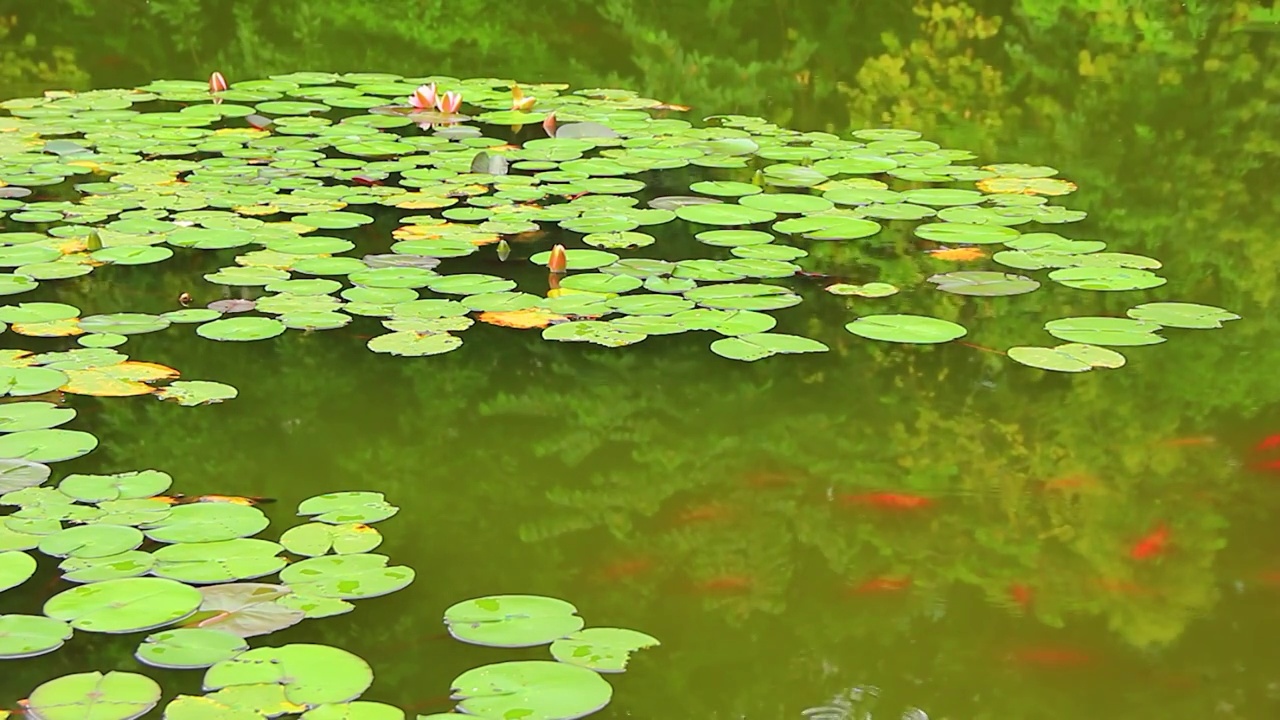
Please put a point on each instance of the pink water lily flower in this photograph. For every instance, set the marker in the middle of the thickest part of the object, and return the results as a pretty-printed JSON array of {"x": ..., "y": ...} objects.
[
  {"x": 217, "y": 83},
  {"x": 450, "y": 102},
  {"x": 424, "y": 98}
]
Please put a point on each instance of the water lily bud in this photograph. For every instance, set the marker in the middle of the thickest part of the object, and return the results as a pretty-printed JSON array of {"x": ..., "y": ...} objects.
[{"x": 558, "y": 260}]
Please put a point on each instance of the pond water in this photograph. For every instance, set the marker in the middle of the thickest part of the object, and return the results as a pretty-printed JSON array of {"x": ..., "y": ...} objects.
[{"x": 930, "y": 529}]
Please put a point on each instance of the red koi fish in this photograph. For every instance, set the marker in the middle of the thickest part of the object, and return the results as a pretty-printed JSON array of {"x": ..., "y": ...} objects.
[
  {"x": 1151, "y": 545},
  {"x": 1022, "y": 595},
  {"x": 1269, "y": 466},
  {"x": 1270, "y": 442},
  {"x": 725, "y": 585},
  {"x": 705, "y": 513},
  {"x": 886, "y": 500},
  {"x": 881, "y": 584},
  {"x": 623, "y": 569},
  {"x": 1058, "y": 657}
]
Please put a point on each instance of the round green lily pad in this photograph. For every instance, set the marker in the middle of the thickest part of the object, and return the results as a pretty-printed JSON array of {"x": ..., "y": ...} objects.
[
  {"x": 26, "y": 381},
  {"x": 33, "y": 415},
  {"x": 15, "y": 568},
  {"x": 205, "y": 563},
  {"x": 868, "y": 290},
  {"x": 916, "y": 329},
  {"x": 133, "y": 563},
  {"x": 120, "y": 486},
  {"x": 1172, "y": 314},
  {"x": 604, "y": 650},
  {"x": 241, "y": 329},
  {"x": 757, "y": 346},
  {"x": 965, "y": 233},
  {"x": 334, "y": 220},
  {"x": 1072, "y": 357},
  {"x": 723, "y": 214},
  {"x": 190, "y": 393},
  {"x": 1120, "y": 332},
  {"x": 984, "y": 283},
  {"x": 531, "y": 689},
  {"x": 346, "y": 577},
  {"x": 47, "y": 445},
  {"x": 24, "y": 636},
  {"x": 310, "y": 674},
  {"x": 189, "y": 648},
  {"x": 316, "y": 538},
  {"x": 124, "y": 606},
  {"x": 1106, "y": 278},
  {"x": 348, "y": 507},
  {"x": 579, "y": 259},
  {"x": 94, "y": 696},
  {"x": 413, "y": 344},
  {"x": 207, "y": 522},
  {"x": 91, "y": 541},
  {"x": 512, "y": 620}
]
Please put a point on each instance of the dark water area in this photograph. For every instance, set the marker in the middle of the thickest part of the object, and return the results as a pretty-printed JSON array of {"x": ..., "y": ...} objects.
[{"x": 713, "y": 504}]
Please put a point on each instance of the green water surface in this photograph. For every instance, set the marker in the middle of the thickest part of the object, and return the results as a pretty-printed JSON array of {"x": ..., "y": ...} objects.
[{"x": 707, "y": 502}]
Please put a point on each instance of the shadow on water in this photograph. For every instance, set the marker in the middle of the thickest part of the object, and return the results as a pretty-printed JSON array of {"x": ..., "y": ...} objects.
[{"x": 738, "y": 512}]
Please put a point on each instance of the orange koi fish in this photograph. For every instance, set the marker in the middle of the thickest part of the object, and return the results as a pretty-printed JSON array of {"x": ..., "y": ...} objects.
[
  {"x": 1270, "y": 442},
  {"x": 725, "y": 585},
  {"x": 1269, "y": 466},
  {"x": 1022, "y": 595},
  {"x": 886, "y": 500},
  {"x": 1194, "y": 441},
  {"x": 1151, "y": 545},
  {"x": 623, "y": 569}
]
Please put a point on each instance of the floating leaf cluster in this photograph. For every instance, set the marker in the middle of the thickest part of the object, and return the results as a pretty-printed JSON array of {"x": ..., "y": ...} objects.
[{"x": 282, "y": 170}]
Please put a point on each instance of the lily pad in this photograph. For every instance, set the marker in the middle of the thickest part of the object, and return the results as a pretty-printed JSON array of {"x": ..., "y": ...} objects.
[
  {"x": 34, "y": 415},
  {"x": 189, "y": 648},
  {"x": 1182, "y": 315},
  {"x": 578, "y": 259},
  {"x": 133, "y": 563},
  {"x": 310, "y": 674},
  {"x": 965, "y": 233},
  {"x": 413, "y": 344},
  {"x": 346, "y": 577},
  {"x": 348, "y": 507},
  {"x": 867, "y": 290},
  {"x": 92, "y": 695},
  {"x": 247, "y": 609},
  {"x": 190, "y": 393},
  {"x": 592, "y": 331},
  {"x": 26, "y": 381},
  {"x": 723, "y": 214},
  {"x": 758, "y": 346},
  {"x": 120, "y": 486},
  {"x": 16, "y": 474},
  {"x": 207, "y": 563},
  {"x": 1120, "y": 332},
  {"x": 24, "y": 636},
  {"x": 315, "y": 539},
  {"x": 47, "y": 445},
  {"x": 604, "y": 650},
  {"x": 984, "y": 283},
  {"x": 743, "y": 296},
  {"x": 512, "y": 620},
  {"x": 1072, "y": 357},
  {"x": 15, "y": 568},
  {"x": 1106, "y": 278},
  {"x": 241, "y": 329},
  {"x": 533, "y": 689},
  {"x": 915, "y": 329},
  {"x": 124, "y": 606},
  {"x": 207, "y": 522},
  {"x": 91, "y": 541}
]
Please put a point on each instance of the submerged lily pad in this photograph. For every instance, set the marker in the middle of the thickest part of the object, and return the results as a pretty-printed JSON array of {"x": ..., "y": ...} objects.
[
  {"x": 604, "y": 650},
  {"x": 92, "y": 695},
  {"x": 915, "y": 329},
  {"x": 984, "y": 283},
  {"x": 512, "y": 620},
  {"x": 531, "y": 689}
]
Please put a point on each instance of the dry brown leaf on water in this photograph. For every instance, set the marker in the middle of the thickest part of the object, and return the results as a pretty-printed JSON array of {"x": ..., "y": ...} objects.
[
  {"x": 526, "y": 319},
  {"x": 1027, "y": 186},
  {"x": 120, "y": 380},
  {"x": 958, "y": 254},
  {"x": 52, "y": 328}
]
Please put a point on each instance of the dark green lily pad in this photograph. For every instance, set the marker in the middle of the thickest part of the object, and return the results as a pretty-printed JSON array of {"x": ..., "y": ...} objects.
[{"x": 512, "y": 620}]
